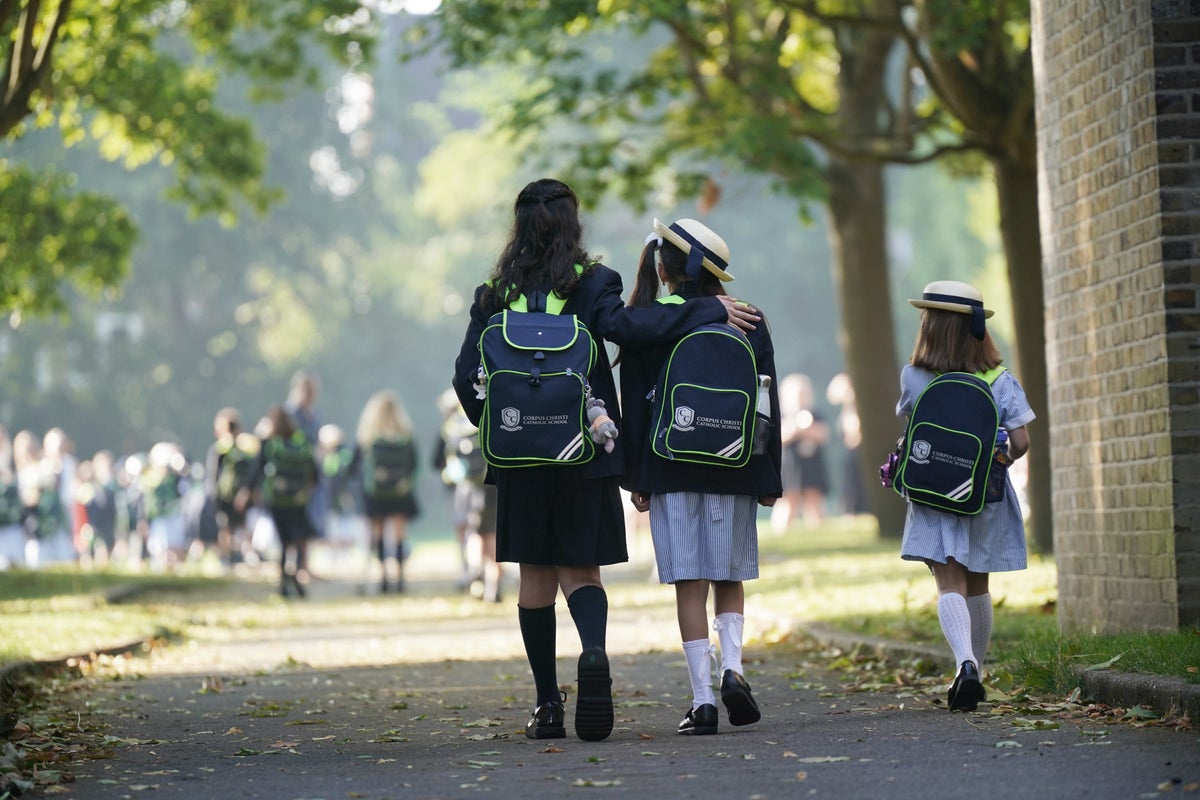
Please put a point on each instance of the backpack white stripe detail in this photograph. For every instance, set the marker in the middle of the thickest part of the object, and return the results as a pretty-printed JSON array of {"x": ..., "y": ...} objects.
[
  {"x": 732, "y": 449},
  {"x": 573, "y": 447},
  {"x": 962, "y": 490}
]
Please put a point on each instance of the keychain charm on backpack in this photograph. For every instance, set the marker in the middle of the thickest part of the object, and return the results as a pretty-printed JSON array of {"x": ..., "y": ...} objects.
[
  {"x": 604, "y": 430},
  {"x": 480, "y": 383}
]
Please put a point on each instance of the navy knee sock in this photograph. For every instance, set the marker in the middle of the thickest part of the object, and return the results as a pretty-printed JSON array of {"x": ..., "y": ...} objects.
[
  {"x": 538, "y": 633},
  {"x": 589, "y": 609}
]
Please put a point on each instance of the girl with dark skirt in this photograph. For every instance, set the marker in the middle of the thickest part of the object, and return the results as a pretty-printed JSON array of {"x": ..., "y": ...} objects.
[{"x": 561, "y": 523}]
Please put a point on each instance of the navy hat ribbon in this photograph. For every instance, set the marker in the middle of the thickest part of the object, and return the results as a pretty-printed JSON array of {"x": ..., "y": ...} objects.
[
  {"x": 697, "y": 254},
  {"x": 978, "y": 318}
]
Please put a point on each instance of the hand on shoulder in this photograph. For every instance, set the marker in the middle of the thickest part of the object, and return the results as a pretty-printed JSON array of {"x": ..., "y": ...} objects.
[{"x": 741, "y": 315}]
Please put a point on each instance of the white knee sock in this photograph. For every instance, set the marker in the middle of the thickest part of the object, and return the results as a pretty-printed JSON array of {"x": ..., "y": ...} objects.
[
  {"x": 980, "y": 608},
  {"x": 956, "y": 625},
  {"x": 698, "y": 652},
  {"x": 729, "y": 628}
]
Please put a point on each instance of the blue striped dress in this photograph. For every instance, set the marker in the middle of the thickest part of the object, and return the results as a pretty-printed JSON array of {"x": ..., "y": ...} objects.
[
  {"x": 704, "y": 535},
  {"x": 994, "y": 539}
]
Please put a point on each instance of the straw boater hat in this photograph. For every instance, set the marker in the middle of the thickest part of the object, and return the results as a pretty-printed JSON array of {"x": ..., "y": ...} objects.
[
  {"x": 962, "y": 298},
  {"x": 702, "y": 246}
]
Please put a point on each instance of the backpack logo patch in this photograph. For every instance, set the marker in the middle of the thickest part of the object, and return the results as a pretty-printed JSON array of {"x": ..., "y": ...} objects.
[
  {"x": 510, "y": 419},
  {"x": 920, "y": 452},
  {"x": 684, "y": 417}
]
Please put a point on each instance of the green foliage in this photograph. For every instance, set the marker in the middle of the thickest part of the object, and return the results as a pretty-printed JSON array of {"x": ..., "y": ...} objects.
[
  {"x": 49, "y": 231},
  {"x": 140, "y": 80},
  {"x": 1053, "y": 663},
  {"x": 666, "y": 92}
]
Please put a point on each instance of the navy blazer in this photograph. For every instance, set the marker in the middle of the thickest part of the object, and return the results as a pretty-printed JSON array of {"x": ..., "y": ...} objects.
[
  {"x": 597, "y": 303},
  {"x": 653, "y": 474}
]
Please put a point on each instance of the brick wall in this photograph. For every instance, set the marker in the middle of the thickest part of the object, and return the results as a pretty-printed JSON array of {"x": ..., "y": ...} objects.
[{"x": 1119, "y": 193}]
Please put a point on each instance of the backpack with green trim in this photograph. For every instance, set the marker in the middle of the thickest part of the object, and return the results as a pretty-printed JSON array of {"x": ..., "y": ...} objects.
[
  {"x": 238, "y": 456},
  {"x": 289, "y": 471},
  {"x": 535, "y": 362},
  {"x": 947, "y": 451},
  {"x": 388, "y": 469},
  {"x": 703, "y": 406}
]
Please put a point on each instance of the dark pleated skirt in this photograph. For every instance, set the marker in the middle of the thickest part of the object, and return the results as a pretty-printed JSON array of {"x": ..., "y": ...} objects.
[{"x": 551, "y": 516}]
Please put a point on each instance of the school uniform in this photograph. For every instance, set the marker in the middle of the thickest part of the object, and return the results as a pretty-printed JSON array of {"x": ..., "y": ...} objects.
[
  {"x": 992, "y": 540},
  {"x": 405, "y": 505},
  {"x": 572, "y": 515},
  {"x": 703, "y": 519}
]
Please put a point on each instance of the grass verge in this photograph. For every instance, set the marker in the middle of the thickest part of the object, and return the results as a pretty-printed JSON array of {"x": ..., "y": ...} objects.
[{"x": 841, "y": 575}]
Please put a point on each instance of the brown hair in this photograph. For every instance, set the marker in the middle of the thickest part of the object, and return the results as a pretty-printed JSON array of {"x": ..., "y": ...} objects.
[
  {"x": 945, "y": 344},
  {"x": 674, "y": 260},
  {"x": 282, "y": 424}
]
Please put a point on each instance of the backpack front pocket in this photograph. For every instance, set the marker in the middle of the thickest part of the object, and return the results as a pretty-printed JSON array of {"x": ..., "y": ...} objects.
[
  {"x": 705, "y": 425},
  {"x": 546, "y": 426}
]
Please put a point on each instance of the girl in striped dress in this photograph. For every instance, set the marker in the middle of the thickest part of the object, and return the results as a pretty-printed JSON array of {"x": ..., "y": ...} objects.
[
  {"x": 962, "y": 550},
  {"x": 703, "y": 519}
]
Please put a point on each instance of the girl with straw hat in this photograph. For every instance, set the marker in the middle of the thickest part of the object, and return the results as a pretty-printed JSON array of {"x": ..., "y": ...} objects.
[
  {"x": 703, "y": 519},
  {"x": 961, "y": 551}
]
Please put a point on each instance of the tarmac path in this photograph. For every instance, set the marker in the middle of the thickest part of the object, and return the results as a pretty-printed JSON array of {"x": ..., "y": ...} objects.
[{"x": 435, "y": 707}]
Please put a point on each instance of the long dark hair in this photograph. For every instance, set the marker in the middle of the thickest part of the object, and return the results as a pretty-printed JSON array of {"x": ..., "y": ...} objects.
[
  {"x": 545, "y": 245},
  {"x": 645, "y": 285}
]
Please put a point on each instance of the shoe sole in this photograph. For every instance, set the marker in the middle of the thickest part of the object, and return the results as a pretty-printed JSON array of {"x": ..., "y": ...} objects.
[
  {"x": 740, "y": 706},
  {"x": 546, "y": 732},
  {"x": 706, "y": 731},
  {"x": 594, "y": 708}
]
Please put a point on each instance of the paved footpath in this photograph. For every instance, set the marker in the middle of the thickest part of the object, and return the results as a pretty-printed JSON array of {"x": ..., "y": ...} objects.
[{"x": 435, "y": 708}]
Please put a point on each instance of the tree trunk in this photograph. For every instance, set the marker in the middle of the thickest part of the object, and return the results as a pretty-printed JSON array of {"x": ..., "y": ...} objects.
[
  {"x": 1016, "y": 186},
  {"x": 858, "y": 239}
]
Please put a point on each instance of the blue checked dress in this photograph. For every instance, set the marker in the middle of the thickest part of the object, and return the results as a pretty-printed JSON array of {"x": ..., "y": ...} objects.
[{"x": 994, "y": 539}]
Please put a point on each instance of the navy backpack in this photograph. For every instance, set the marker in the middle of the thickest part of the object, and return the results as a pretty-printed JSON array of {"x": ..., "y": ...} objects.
[
  {"x": 946, "y": 454},
  {"x": 536, "y": 361}
]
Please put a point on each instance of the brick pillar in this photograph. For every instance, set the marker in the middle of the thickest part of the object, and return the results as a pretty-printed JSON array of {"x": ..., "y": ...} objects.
[{"x": 1118, "y": 110}]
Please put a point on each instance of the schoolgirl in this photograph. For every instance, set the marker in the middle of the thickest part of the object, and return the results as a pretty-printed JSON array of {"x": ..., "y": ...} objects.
[
  {"x": 962, "y": 550},
  {"x": 287, "y": 473},
  {"x": 703, "y": 519},
  {"x": 387, "y": 456},
  {"x": 562, "y": 523}
]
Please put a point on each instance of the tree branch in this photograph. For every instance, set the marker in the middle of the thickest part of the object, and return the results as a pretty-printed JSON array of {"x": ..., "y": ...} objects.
[
  {"x": 883, "y": 150},
  {"x": 26, "y": 67}
]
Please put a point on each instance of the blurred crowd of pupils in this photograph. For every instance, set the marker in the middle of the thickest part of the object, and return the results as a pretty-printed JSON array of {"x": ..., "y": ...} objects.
[
  {"x": 256, "y": 498},
  {"x": 162, "y": 509}
]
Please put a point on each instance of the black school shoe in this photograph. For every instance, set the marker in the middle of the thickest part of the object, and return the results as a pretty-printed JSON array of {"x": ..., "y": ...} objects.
[
  {"x": 739, "y": 703},
  {"x": 547, "y": 722},
  {"x": 700, "y": 721},
  {"x": 594, "y": 705},
  {"x": 967, "y": 692}
]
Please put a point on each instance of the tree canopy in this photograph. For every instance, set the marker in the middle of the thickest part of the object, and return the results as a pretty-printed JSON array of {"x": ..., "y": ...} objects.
[{"x": 140, "y": 80}]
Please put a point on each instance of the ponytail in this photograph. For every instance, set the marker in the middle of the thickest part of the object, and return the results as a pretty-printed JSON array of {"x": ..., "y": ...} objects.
[{"x": 645, "y": 285}]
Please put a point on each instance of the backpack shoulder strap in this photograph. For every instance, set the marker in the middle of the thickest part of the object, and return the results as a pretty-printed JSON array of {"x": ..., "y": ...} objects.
[
  {"x": 671, "y": 300},
  {"x": 550, "y": 302},
  {"x": 992, "y": 374}
]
